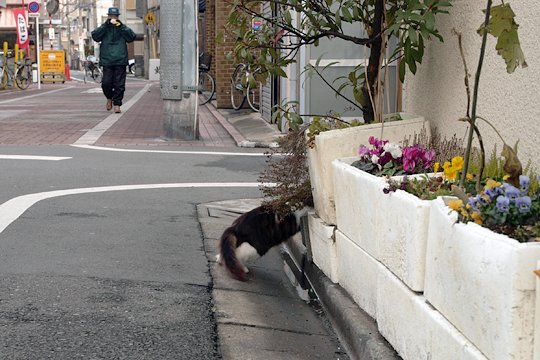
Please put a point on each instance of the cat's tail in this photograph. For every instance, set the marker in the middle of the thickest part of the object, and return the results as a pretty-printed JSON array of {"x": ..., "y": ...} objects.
[{"x": 228, "y": 254}]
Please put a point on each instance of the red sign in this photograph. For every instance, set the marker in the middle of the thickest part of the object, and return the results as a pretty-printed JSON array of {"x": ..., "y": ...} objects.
[
  {"x": 33, "y": 7},
  {"x": 22, "y": 27}
]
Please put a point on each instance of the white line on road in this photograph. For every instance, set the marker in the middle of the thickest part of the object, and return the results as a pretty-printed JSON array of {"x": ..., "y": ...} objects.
[
  {"x": 36, "y": 95},
  {"x": 12, "y": 209},
  {"x": 92, "y": 147},
  {"x": 94, "y": 134},
  {"x": 31, "y": 157}
]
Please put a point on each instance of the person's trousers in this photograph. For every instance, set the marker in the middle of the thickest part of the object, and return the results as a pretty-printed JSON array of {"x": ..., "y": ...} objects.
[{"x": 113, "y": 83}]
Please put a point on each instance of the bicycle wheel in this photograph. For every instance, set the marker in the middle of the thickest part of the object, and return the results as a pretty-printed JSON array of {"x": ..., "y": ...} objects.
[
  {"x": 207, "y": 87},
  {"x": 238, "y": 96},
  {"x": 88, "y": 75},
  {"x": 97, "y": 75},
  {"x": 22, "y": 78},
  {"x": 254, "y": 95}
]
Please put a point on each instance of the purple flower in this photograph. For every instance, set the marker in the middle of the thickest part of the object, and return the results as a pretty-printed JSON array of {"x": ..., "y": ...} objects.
[
  {"x": 473, "y": 202},
  {"x": 523, "y": 204},
  {"x": 363, "y": 151},
  {"x": 524, "y": 183},
  {"x": 428, "y": 158},
  {"x": 492, "y": 192},
  {"x": 511, "y": 192},
  {"x": 503, "y": 204}
]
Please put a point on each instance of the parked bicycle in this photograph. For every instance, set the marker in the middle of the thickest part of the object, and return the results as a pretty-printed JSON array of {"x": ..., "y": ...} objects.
[
  {"x": 207, "y": 84},
  {"x": 92, "y": 70},
  {"x": 245, "y": 86},
  {"x": 20, "y": 77},
  {"x": 23, "y": 76}
]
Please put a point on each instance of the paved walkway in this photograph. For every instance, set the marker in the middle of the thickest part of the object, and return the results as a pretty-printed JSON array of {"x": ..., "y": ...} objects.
[{"x": 261, "y": 319}]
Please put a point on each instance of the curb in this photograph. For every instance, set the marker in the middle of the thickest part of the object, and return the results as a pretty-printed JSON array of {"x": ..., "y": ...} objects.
[
  {"x": 240, "y": 140},
  {"x": 356, "y": 330},
  {"x": 235, "y": 134}
]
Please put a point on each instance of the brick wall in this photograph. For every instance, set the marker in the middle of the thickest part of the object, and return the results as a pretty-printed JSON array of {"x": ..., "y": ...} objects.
[{"x": 223, "y": 68}]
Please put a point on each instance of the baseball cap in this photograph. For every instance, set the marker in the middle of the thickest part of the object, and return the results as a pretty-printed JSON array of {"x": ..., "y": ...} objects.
[{"x": 113, "y": 11}]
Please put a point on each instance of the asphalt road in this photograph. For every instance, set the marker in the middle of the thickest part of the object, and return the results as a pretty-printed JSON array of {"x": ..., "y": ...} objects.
[{"x": 101, "y": 254}]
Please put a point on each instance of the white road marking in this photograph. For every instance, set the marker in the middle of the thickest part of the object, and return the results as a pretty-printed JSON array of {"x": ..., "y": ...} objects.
[
  {"x": 12, "y": 209},
  {"x": 97, "y": 90},
  {"x": 103, "y": 148},
  {"x": 31, "y": 157},
  {"x": 94, "y": 134},
  {"x": 36, "y": 95}
]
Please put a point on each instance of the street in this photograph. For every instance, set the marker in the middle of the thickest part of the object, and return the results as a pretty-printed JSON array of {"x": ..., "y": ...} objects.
[{"x": 101, "y": 253}]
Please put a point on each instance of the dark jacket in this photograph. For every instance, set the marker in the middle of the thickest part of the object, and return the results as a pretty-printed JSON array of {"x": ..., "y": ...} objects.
[{"x": 114, "y": 39}]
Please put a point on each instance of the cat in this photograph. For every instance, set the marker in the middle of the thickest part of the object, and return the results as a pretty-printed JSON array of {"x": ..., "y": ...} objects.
[{"x": 254, "y": 233}]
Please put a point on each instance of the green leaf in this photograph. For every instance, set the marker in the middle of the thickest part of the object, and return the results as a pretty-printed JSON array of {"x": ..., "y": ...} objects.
[
  {"x": 413, "y": 35},
  {"x": 402, "y": 71}
]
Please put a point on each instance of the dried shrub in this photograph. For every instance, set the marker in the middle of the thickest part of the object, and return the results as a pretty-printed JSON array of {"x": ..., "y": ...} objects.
[{"x": 287, "y": 169}]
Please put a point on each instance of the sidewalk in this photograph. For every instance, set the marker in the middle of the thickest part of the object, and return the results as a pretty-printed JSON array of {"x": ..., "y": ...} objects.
[
  {"x": 142, "y": 125},
  {"x": 265, "y": 318}
]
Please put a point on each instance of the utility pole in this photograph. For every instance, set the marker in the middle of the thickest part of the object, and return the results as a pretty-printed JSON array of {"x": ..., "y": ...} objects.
[
  {"x": 95, "y": 21},
  {"x": 178, "y": 73}
]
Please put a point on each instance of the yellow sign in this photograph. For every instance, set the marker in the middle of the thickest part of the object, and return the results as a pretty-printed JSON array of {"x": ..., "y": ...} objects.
[
  {"x": 150, "y": 18},
  {"x": 52, "y": 61}
]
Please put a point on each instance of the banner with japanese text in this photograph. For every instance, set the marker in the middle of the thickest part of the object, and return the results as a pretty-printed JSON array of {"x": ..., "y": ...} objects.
[{"x": 22, "y": 27}]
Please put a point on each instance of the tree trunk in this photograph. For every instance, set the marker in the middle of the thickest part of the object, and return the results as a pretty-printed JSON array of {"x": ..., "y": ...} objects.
[{"x": 373, "y": 62}]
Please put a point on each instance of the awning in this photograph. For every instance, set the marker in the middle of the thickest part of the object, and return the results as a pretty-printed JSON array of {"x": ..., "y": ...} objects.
[{"x": 7, "y": 19}]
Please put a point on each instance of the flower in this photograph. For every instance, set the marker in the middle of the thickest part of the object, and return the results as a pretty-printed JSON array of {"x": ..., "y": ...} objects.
[
  {"x": 387, "y": 158},
  {"x": 523, "y": 204},
  {"x": 504, "y": 208},
  {"x": 455, "y": 204},
  {"x": 503, "y": 204},
  {"x": 524, "y": 184}
]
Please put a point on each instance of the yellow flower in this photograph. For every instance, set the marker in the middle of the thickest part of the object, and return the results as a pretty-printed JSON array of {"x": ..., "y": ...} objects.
[
  {"x": 477, "y": 217},
  {"x": 490, "y": 184},
  {"x": 436, "y": 167},
  {"x": 457, "y": 163},
  {"x": 446, "y": 165},
  {"x": 455, "y": 204},
  {"x": 470, "y": 177}
]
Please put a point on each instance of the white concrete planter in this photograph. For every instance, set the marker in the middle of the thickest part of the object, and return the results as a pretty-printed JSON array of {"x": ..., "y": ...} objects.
[
  {"x": 483, "y": 283},
  {"x": 323, "y": 246},
  {"x": 390, "y": 227},
  {"x": 334, "y": 144},
  {"x": 414, "y": 328},
  {"x": 358, "y": 273}
]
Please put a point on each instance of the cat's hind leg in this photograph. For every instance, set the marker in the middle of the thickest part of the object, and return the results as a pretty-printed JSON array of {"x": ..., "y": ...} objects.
[{"x": 246, "y": 254}]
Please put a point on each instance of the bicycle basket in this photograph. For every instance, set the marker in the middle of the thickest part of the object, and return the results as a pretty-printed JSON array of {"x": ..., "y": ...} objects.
[
  {"x": 205, "y": 60},
  {"x": 27, "y": 61}
]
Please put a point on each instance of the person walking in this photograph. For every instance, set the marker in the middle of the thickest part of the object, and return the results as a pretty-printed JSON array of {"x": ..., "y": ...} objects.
[{"x": 113, "y": 57}]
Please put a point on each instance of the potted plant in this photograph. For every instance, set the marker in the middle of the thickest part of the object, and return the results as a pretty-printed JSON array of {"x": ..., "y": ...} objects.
[
  {"x": 479, "y": 275},
  {"x": 390, "y": 223}
]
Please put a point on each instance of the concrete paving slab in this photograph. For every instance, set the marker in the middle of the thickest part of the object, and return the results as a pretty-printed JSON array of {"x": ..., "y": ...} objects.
[
  {"x": 248, "y": 343},
  {"x": 246, "y": 308}
]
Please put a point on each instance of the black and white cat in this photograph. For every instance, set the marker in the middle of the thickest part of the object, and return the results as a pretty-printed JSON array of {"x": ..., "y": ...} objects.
[{"x": 254, "y": 233}]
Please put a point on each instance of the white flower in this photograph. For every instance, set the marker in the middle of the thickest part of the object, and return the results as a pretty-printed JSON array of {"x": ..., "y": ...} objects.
[
  {"x": 393, "y": 149},
  {"x": 375, "y": 159}
]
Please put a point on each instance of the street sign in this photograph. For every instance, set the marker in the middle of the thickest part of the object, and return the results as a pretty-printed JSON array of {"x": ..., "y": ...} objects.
[
  {"x": 33, "y": 7},
  {"x": 52, "y": 61},
  {"x": 150, "y": 18},
  {"x": 256, "y": 24},
  {"x": 33, "y": 15}
]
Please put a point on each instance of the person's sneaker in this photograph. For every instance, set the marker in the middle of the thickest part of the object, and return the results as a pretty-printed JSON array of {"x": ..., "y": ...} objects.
[
  {"x": 108, "y": 106},
  {"x": 117, "y": 109}
]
